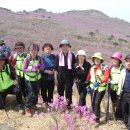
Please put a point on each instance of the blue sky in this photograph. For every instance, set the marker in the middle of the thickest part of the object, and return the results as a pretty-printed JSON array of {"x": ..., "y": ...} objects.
[{"x": 113, "y": 8}]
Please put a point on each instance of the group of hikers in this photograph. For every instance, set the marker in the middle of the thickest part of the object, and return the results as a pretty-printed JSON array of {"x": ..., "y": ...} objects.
[{"x": 25, "y": 74}]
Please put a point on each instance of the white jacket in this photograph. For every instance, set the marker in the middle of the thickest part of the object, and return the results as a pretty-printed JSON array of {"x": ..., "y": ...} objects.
[{"x": 121, "y": 82}]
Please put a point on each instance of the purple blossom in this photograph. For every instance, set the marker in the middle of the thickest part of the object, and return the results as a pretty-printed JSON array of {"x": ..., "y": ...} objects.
[
  {"x": 67, "y": 116},
  {"x": 71, "y": 117},
  {"x": 59, "y": 104},
  {"x": 54, "y": 127}
]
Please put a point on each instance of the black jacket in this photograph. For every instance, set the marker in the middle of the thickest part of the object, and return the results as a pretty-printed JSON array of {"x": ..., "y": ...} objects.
[
  {"x": 80, "y": 74},
  {"x": 64, "y": 69}
]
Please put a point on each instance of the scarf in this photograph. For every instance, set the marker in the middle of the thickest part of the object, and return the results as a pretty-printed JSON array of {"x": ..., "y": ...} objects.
[{"x": 62, "y": 60}]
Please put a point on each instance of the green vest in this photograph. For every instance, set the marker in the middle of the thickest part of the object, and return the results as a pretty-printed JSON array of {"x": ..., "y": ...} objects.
[
  {"x": 95, "y": 77},
  {"x": 115, "y": 76},
  {"x": 5, "y": 80},
  {"x": 19, "y": 61},
  {"x": 33, "y": 76}
]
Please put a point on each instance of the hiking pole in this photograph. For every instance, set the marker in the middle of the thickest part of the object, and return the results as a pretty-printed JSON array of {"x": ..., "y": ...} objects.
[
  {"x": 108, "y": 102},
  {"x": 114, "y": 111}
]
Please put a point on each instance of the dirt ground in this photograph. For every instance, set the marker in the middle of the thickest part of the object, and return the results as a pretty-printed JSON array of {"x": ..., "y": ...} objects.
[{"x": 21, "y": 122}]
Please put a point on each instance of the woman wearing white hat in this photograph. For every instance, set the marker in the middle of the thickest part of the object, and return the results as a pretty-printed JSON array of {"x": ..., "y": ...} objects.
[{"x": 81, "y": 69}]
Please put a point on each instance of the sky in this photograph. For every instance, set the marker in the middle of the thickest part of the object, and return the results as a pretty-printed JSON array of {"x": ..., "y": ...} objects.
[{"x": 112, "y": 8}]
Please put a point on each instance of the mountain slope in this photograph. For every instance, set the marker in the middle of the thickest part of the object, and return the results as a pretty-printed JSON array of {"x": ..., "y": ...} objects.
[{"x": 91, "y": 30}]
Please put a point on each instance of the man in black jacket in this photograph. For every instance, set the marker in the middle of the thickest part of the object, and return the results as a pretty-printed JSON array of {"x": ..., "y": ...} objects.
[{"x": 64, "y": 72}]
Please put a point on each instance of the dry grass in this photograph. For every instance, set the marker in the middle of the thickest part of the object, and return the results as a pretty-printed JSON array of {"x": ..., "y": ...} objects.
[{"x": 21, "y": 122}]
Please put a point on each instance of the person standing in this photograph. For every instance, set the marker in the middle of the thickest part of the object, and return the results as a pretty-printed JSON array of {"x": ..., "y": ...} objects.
[
  {"x": 32, "y": 66},
  {"x": 16, "y": 61},
  {"x": 98, "y": 76},
  {"x": 47, "y": 87},
  {"x": 115, "y": 71},
  {"x": 124, "y": 91},
  {"x": 81, "y": 69},
  {"x": 64, "y": 72}
]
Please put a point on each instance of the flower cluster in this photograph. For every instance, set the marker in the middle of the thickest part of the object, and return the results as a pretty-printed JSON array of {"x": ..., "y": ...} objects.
[
  {"x": 85, "y": 112},
  {"x": 78, "y": 118},
  {"x": 59, "y": 104}
]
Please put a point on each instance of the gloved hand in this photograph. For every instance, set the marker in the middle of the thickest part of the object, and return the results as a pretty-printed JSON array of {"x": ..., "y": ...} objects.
[
  {"x": 88, "y": 90},
  {"x": 36, "y": 65},
  {"x": 96, "y": 84},
  {"x": 33, "y": 70}
]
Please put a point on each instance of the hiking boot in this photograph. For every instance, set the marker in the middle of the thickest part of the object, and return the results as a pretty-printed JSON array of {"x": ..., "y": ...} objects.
[
  {"x": 96, "y": 125},
  {"x": 20, "y": 109},
  {"x": 1, "y": 107},
  {"x": 28, "y": 112},
  {"x": 47, "y": 105},
  {"x": 123, "y": 126},
  {"x": 103, "y": 119},
  {"x": 34, "y": 107}
]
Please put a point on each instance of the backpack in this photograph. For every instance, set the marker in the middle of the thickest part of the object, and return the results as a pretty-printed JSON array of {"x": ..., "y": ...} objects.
[
  {"x": 103, "y": 67},
  {"x": 9, "y": 70},
  {"x": 4, "y": 49},
  {"x": 121, "y": 67},
  {"x": 16, "y": 54},
  {"x": 29, "y": 58}
]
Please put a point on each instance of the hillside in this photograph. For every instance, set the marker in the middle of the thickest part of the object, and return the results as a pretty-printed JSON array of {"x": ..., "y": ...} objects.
[{"x": 91, "y": 30}]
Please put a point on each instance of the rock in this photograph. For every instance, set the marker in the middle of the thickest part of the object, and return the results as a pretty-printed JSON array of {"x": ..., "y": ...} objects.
[{"x": 4, "y": 126}]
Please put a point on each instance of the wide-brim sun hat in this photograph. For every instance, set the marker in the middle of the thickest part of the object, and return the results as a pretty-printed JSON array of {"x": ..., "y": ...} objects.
[
  {"x": 117, "y": 55},
  {"x": 81, "y": 52},
  {"x": 97, "y": 55},
  {"x": 64, "y": 42}
]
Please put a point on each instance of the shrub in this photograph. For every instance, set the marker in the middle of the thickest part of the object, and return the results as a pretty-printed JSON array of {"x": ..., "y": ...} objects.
[
  {"x": 79, "y": 118},
  {"x": 115, "y": 43},
  {"x": 122, "y": 40},
  {"x": 91, "y": 33},
  {"x": 111, "y": 37},
  {"x": 79, "y": 37}
]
